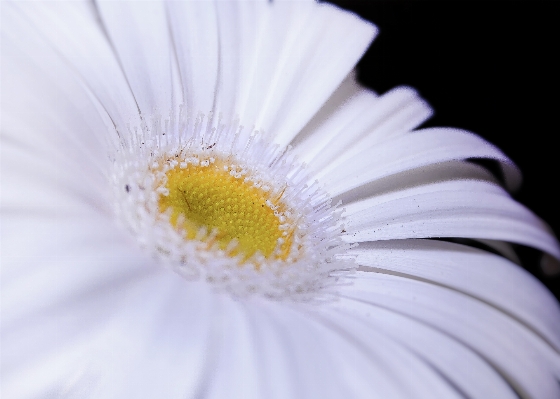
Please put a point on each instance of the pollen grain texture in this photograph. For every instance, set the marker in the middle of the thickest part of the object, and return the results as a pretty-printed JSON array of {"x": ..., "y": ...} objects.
[{"x": 212, "y": 197}]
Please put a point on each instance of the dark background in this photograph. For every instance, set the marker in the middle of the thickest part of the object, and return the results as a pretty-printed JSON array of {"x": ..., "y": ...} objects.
[{"x": 488, "y": 67}]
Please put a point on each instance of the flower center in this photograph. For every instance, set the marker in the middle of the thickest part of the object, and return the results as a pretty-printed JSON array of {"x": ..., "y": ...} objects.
[
  {"x": 212, "y": 196},
  {"x": 222, "y": 203}
]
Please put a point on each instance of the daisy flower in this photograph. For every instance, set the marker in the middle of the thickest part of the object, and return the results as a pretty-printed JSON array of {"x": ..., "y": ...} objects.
[{"x": 199, "y": 200}]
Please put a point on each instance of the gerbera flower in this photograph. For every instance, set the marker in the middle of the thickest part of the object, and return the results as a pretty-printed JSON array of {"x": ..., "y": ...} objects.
[{"x": 172, "y": 180}]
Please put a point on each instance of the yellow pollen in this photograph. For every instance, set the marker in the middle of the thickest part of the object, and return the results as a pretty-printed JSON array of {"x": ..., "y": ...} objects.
[{"x": 210, "y": 196}]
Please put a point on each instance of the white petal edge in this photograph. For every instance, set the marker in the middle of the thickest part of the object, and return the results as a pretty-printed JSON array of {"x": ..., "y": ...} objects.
[
  {"x": 419, "y": 148},
  {"x": 391, "y": 186},
  {"x": 465, "y": 369},
  {"x": 194, "y": 31},
  {"x": 467, "y": 209},
  {"x": 363, "y": 120},
  {"x": 139, "y": 34},
  {"x": 487, "y": 277},
  {"x": 45, "y": 107},
  {"x": 275, "y": 63},
  {"x": 71, "y": 29},
  {"x": 420, "y": 379},
  {"x": 521, "y": 356},
  {"x": 35, "y": 183}
]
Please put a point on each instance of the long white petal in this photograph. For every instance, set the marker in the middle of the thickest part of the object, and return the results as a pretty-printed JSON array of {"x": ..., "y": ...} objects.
[
  {"x": 468, "y": 209},
  {"x": 61, "y": 279},
  {"x": 140, "y": 36},
  {"x": 61, "y": 257},
  {"x": 276, "y": 67},
  {"x": 33, "y": 182},
  {"x": 325, "y": 52},
  {"x": 414, "y": 150},
  {"x": 488, "y": 277},
  {"x": 420, "y": 380},
  {"x": 422, "y": 178},
  {"x": 194, "y": 30},
  {"x": 360, "y": 122},
  {"x": 468, "y": 371},
  {"x": 71, "y": 29},
  {"x": 320, "y": 352},
  {"x": 314, "y": 133},
  {"x": 45, "y": 106},
  {"x": 162, "y": 342},
  {"x": 528, "y": 363}
]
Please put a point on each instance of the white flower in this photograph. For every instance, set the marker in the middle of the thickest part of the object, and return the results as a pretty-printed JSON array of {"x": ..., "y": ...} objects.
[{"x": 103, "y": 296}]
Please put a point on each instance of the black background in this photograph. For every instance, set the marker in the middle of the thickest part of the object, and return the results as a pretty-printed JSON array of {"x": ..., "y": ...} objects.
[{"x": 488, "y": 67}]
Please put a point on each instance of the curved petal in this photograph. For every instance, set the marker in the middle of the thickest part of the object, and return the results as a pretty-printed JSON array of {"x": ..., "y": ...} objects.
[
  {"x": 61, "y": 279},
  {"x": 321, "y": 351},
  {"x": 525, "y": 360},
  {"x": 72, "y": 31},
  {"x": 361, "y": 121},
  {"x": 308, "y": 72},
  {"x": 467, "y": 371},
  {"x": 348, "y": 91},
  {"x": 275, "y": 61},
  {"x": 139, "y": 34},
  {"x": 420, "y": 380},
  {"x": 194, "y": 31},
  {"x": 59, "y": 258},
  {"x": 414, "y": 150},
  {"x": 157, "y": 342},
  {"x": 45, "y": 106},
  {"x": 391, "y": 186},
  {"x": 33, "y": 183},
  {"x": 162, "y": 342},
  {"x": 469, "y": 209},
  {"x": 487, "y": 277}
]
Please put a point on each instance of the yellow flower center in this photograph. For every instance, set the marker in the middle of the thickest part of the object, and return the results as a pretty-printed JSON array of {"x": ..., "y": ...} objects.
[{"x": 207, "y": 195}]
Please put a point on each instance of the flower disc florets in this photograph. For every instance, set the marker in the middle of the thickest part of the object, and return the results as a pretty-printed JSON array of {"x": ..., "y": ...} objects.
[{"x": 221, "y": 202}]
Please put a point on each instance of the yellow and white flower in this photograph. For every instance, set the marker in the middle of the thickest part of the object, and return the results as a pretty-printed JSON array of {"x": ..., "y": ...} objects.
[{"x": 172, "y": 227}]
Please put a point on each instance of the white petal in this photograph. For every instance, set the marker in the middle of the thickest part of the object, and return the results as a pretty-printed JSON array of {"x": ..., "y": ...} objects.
[
  {"x": 158, "y": 343},
  {"x": 140, "y": 35},
  {"x": 325, "y": 51},
  {"x": 312, "y": 348},
  {"x": 238, "y": 367},
  {"x": 161, "y": 343},
  {"x": 457, "y": 363},
  {"x": 488, "y": 277},
  {"x": 426, "y": 176},
  {"x": 71, "y": 29},
  {"x": 362, "y": 121},
  {"x": 319, "y": 353},
  {"x": 467, "y": 209},
  {"x": 45, "y": 106},
  {"x": 527, "y": 362},
  {"x": 279, "y": 373},
  {"x": 276, "y": 61},
  {"x": 60, "y": 258},
  {"x": 193, "y": 26},
  {"x": 36, "y": 183},
  {"x": 349, "y": 90},
  {"x": 414, "y": 150},
  {"x": 103, "y": 321},
  {"x": 61, "y": 279},
  {"x": 420, "y": 379}
]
